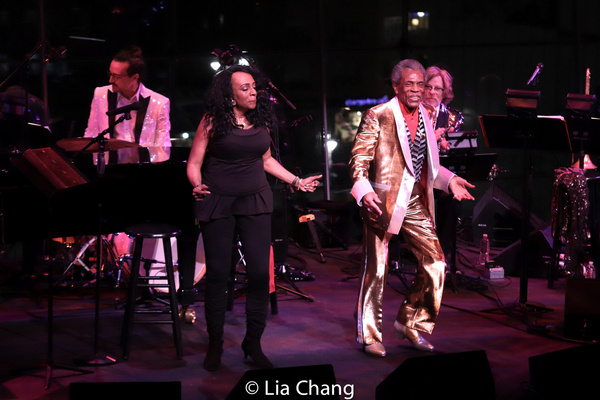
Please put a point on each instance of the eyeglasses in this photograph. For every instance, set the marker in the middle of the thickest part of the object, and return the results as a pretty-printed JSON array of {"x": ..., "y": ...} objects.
[
  {"x": 434, "y": 89},
  {"x": 410, "y": 85},
  {"x": 116, "y": 77}
]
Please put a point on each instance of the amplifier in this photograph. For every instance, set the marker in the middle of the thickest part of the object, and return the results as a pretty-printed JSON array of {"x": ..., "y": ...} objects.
[{"x": 582, "y": 309}]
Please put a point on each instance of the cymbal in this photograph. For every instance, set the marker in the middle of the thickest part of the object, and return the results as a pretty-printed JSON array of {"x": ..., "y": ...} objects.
[{"x": 77, "y": 144}]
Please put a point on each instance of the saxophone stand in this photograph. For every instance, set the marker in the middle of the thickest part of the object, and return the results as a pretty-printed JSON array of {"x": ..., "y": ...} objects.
[
  {"x": 282, "y": 270},
  {"x": 526, "y": 130},
  {"x": 279, "y": 272},
  {"x": 284, "y": 273}
]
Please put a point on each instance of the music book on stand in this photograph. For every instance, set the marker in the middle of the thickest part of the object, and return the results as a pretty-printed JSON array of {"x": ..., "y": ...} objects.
[{"x": 49, "y": 170}]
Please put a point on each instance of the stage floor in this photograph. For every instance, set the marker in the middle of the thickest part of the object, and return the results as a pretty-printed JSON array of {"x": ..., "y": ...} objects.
[{"x": 477, "y": 315}]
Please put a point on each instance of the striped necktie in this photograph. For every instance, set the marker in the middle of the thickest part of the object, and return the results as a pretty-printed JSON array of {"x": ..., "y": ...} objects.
[{"x": 418, "y": 148}]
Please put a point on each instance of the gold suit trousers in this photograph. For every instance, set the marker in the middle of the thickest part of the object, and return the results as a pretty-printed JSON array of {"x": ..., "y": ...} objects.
[{"x": 420, "y": 308}]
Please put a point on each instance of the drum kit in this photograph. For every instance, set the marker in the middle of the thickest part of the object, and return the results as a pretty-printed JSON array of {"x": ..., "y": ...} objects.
[
  {"x": 79, "y": 254},
  {"x": 89, "y": 146},
  {"x": 79, "y": 258}
]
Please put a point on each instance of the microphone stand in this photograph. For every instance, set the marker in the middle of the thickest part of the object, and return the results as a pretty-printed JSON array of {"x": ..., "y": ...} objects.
[
  {"x": 101, "y": 140},
  {"x": 289, "y": 103},
  {"x": 97, "y": 359},
  {"x": 282, "y": 271},
  {"x": 22, "y": 145},
  {"x": 50, "y": 365}
]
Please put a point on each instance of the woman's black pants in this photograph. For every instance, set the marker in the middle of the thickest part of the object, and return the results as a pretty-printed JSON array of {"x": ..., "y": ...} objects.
[{"x": 220, "y": 237}]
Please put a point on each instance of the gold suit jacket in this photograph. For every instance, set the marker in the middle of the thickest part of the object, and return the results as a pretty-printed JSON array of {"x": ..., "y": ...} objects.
[{"x": 381, "y": 162}]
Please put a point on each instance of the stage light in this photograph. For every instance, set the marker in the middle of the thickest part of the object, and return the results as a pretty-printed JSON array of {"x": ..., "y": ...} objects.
[
  {"x": 418, "y": 21},
  {"x": 331, "y": 145}
]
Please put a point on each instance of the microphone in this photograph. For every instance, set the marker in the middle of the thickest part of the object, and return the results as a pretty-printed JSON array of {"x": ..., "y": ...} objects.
[
  {"x": 538, "y": 70},
  {"x": 125, "y": 109},
  {"x": 225, "y": 57}
]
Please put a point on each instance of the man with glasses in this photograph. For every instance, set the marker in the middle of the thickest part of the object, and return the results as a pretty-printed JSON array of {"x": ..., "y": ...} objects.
[
  {"x": 149, "y": 125},
  {"x": 395, "y": 167},
  {"x": 438, "y": 94}
]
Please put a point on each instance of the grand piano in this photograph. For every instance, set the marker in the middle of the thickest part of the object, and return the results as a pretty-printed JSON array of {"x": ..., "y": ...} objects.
[
  {"x": 33, "y": 210},
  {"x": 127, "y": 193}
]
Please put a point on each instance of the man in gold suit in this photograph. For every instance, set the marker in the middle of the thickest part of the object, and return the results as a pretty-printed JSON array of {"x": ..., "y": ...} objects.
[{"x": 395, "y": 167}]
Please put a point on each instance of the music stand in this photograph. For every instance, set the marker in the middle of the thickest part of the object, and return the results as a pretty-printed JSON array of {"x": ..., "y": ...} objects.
[
  {"x": 464, "y": 142},
  {"x": 581, "y": 124},
  {"x": 472, "y": 167},
  {"x": 51, "y": 172},
  {"x": 524, "y": 132},
  {"x": 584, "y": 132}
]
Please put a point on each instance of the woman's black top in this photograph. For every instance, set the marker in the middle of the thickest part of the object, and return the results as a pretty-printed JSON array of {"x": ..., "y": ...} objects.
[{"x": 234, "y": 172}]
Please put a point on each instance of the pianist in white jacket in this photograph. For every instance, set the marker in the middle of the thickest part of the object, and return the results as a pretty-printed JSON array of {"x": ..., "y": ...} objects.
[{"x": 149, "y": 125}]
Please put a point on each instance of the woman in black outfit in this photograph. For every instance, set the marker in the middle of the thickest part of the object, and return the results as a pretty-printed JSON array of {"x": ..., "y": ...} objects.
[{"x": 227, "y": 164}]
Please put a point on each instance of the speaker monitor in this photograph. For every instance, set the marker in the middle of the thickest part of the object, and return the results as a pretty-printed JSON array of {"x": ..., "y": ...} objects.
[
  {"x": 124, "y": 390},
  {"x": 566, "y": 374},
  {"x": 539, "y": 254},
  {"x": 304, "y": 382},
  {"x": 501, "y": 217},
  {"x": 440, "y": 377},
  {"x": 582, "y": 309}
]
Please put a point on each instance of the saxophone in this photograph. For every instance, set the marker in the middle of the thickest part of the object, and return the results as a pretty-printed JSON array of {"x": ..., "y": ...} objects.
[
  {"x": 455, "y": 120},
  {"x": 450, "y": 120}
]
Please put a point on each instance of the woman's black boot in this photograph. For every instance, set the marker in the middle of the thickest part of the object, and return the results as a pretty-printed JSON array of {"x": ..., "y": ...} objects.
[
  {"x": 212, "y": 361},
  {"x": 253, "y": 349}
]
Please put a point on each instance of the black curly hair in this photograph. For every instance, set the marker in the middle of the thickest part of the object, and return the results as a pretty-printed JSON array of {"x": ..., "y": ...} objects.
[{"x": 218, "y": 104}]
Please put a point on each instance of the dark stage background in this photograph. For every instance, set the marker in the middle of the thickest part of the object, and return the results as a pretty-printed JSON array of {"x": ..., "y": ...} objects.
[{"x": 330, "y": 58}]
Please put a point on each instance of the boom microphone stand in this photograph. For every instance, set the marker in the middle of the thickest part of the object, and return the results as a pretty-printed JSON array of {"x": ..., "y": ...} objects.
[{"x": 97, "y": 359}]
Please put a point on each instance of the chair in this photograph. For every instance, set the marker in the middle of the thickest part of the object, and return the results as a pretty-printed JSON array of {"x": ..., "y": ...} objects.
[{"x": 140, "y": 232}]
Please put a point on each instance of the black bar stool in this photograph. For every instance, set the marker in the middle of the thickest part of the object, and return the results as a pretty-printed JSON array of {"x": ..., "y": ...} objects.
[{"x": 140, "y": 232}]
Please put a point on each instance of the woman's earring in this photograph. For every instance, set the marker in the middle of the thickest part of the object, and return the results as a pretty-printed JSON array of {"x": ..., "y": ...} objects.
[{"x": 233, "y": 103}]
